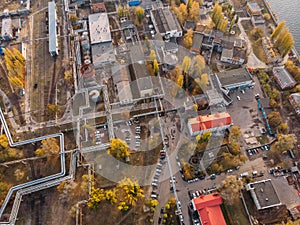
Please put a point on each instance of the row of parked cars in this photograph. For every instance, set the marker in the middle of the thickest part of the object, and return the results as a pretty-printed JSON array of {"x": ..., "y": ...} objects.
[
  {"x": 157, "y": 174},
  {"x": 137, "y": 136},
  {"x": 257, "y": 150}
]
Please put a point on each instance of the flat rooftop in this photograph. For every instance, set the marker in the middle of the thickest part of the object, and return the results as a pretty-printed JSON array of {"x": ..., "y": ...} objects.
[
  {"x": 253, "y": 6},
  {"x": 234, "y": 76},
  {"x": 6, "y": 27},
  {"x": 197, "y": 41},
  {"x": 99, "y": 28},
  {"x": 263, "y": 194},
  {"x": 102, "y": 53},
  {"x": 52, "y": 27}
]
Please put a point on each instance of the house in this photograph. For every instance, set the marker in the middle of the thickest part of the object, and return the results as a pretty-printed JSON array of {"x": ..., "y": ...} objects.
[
  {"x": 166, "y": 23},
  {"x": 52, "y": 18},
  {"x": 271, "y": 52},
  {"x": 283, "y": 78},
  {"x": 253, "y": 8},
  {"x": 209, "y": 210},
  {"x": 263, "y": 194},
  {"x": 197, "y": 43},
  {"x": 6, "y": 30},
  {"x": 295, "y": 102},
  {"x": 235, "y": 79},
  {"x": 213, "y": 122}
]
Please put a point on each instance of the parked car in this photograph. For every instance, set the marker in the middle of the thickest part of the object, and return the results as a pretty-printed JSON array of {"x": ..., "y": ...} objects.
[
  {"x": 213, "y": 176},
  {"x": 238, "y": 98}
]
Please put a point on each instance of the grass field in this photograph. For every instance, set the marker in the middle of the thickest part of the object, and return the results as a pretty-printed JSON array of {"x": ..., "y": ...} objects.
[{"x": 235, "y": 214}]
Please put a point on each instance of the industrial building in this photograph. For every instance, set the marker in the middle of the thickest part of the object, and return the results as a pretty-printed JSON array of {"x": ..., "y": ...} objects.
[
  {"x": 212, "y": 123},
  {"x": 263, "y": 194},
  {"x": 166, "y": 23},
  {"x": 53, "y": 44},
  {"x": 235, "y": 79},
  {"x": 253, "y": 8},
  {"x": 100, "y": 38},
  {"x": 6, "y": 30},
  {"x": 283, "y": 78}
]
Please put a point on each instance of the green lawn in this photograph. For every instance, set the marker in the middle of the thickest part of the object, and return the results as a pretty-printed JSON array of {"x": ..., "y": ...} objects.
[{"x": 235, "y": 214}]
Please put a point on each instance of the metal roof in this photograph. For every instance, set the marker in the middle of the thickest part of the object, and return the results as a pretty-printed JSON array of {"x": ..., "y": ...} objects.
[
  {"x": 99, "y": 28},
  {"x": 283, "y": 77},
  {"x": 234, "y": 76},
  {"x": 165, "y": 20},
  {"x": 52, "y": 27}
]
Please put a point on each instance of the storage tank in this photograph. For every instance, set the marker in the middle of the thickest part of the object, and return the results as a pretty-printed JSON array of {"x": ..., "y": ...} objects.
[{"x": 95, "y": 96}]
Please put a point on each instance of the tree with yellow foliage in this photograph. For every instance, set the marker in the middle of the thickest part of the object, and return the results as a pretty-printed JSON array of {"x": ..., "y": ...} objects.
[
  {"x": 111, "y": 196},
  {"x": 133, "y": 191},
  {"x": 49, "y": 146},
  {"x": 118, "y": 149},
  {"x": 96, "y": 197},
  {"x": 194, "y": 11},
  {"x": 188, "y": 38},
  {"x": 15, "y": 65}
]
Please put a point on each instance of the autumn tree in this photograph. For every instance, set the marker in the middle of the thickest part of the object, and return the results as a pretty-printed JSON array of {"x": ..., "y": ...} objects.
[
  {"x": 133, "y": 191},
  {"x": 53, "y": 110},
  {"x": 231, "y": 188},
  {"x": 118, "y": 149},
  {"x": 186, "y": 65},
  {"x": 152, "y": 204},
  {"x": 123, "y": 11},
  {"x": 274, "y": 119},
  {"x": 218, "y": 17},
  {"x": 181, "y": 13},
  {"x": 284, "y": 142},
  {"x": 188, "y": 38},
  {"x": 257, "y": 33},
  {"x": 139, "y": 14},
  {"x": 15, "y": 65},
  {"x": 68, "y": 76},
  {"x": 110, "y": 195},
  {"x": 198, "y": 66},
  {"x": 123, "y": 206},
  {"x": 194, "y": 11},
  {"x": 73, "y": 18},
  {"x": 188, "y": 171},
  {"x": 49, "y": 146},
  {"x": 96, "y": 197},
  {"x": 4, "y": 187},
  {"x": 290, "y": 222},
  {"x": 152, "y": 55},
  {"x": 155, "y": 67},
  {"x": 278, "y": 30},
  {"x": 148, "y": 44},
  {"x": 267, "y": 16}
]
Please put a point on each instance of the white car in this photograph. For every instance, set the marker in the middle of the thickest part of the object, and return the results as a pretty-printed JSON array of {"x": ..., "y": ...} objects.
[{"x": 238, "y": 98}]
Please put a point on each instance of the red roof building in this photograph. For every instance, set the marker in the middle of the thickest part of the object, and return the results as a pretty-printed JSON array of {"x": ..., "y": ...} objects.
[
  {"x": 214, "y": 122},
  {"x": 209, "y": 210}
]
